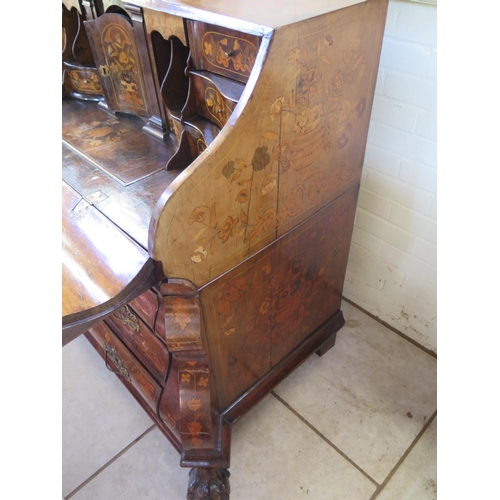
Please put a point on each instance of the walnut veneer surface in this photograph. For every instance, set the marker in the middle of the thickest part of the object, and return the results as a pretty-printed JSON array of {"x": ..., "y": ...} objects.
[{"x": 212, "y": 155}]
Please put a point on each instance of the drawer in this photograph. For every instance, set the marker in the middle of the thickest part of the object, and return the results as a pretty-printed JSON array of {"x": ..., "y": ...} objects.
[
  {"x": 146, "y": 306},
  {"x": 215, "y": 96},
  {"x": 140, "y": 340},
  {"x": 200, "y": 133},
  {"x": 223, "y": 51},
  {"x": 119, "y": 359},
  {"x": 84, "y": 80}
]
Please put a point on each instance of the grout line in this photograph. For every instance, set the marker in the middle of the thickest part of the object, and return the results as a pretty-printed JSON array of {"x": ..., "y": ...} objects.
[
  {"x": 324, "y": 438},
  {"x": 107, "y": 464},
  {"x": 383, "y": 323},
  {"x": 403, "y": 457}
]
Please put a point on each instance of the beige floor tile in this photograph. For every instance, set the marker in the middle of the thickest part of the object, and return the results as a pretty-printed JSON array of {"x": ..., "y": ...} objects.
[
  {"x": 276, "y": 456},
  {"x": 149, "y": 470},
  {"x": 416, "y": 477},
  {"x": 370, "y": 395},
  {"x": 100, "y": 418}
]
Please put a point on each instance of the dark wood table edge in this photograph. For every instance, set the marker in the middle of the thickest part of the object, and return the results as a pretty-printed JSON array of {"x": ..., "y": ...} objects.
[{"x": 73, "y": 325}]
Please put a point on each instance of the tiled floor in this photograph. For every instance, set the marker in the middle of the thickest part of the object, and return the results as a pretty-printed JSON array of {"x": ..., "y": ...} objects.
[{"x": 357, "y": 424}]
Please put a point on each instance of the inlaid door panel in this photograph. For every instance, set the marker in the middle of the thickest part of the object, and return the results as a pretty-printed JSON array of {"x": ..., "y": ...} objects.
[{"x": 116, "y": 56}]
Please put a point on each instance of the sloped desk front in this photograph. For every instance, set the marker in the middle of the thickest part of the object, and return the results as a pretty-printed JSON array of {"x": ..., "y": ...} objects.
[{"x": 212, "y": 157}]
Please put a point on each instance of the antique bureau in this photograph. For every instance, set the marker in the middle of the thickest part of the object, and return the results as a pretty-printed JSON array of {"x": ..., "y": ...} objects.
[{"x": 212, "y": 156}]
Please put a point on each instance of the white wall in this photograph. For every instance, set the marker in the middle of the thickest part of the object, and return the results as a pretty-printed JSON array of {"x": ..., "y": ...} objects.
[{"x": 392, "y": 263}]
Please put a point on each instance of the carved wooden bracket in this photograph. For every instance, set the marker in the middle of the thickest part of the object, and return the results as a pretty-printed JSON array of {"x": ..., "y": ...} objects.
[{"x": 184, "y": 331}]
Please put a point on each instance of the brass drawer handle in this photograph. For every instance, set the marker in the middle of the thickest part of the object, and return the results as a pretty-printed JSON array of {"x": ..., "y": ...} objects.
[
  {"x": 127, "y": 317},
  {"x": 112, "y": 353}
]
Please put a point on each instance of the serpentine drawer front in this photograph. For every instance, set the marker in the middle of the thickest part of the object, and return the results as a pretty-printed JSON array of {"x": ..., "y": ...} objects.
[{"x": 212, "y": 158}]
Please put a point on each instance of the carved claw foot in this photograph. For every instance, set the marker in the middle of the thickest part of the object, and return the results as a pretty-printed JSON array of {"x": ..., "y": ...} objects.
[{"x": 208, "y": 484}]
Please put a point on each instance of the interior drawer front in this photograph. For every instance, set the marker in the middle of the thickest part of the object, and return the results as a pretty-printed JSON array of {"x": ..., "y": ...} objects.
[
  {"x": 216, "y": 96},
  {"x": 119, "y": 360},
  {"x": 146, "y": 305},
  {"x": 223, "y": 51},
  {"x": 83, "y": 80},
  {"x": 141, "y": 340}
]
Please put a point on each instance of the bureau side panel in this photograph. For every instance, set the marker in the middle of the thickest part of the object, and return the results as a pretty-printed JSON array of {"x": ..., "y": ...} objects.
[
  {"x": 294, "y": 143},
  {"x": 262, "y": 310}
]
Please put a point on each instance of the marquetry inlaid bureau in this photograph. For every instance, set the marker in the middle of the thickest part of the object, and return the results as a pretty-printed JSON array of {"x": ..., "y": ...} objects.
[{"x": 212, "y": 156}]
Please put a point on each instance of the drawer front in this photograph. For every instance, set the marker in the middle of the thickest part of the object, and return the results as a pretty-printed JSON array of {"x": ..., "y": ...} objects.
[
  {"x": 84, "y": 80},
  {"x": 200, "y": 133},
  {"x": 211, "y": 101},
  {"x": 146, "y": 305},
  {"x": 140, "y": 340},
  {"x": 121, "y": 361},
  {"x": 222, "y": 51}
]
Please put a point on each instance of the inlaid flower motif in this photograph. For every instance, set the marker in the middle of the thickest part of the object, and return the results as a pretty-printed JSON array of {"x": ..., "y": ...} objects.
[
  {"x": 261, "y": 158},
  {"x": 293, "y": 55},
  {"x": 268, "y": 187},
  {"x": 195, "y": 429},
  {"x": 360, "y": 107},
  {"x": 181, "y": 313},
  {"x": 243, "y": 196},
  {"x": 356, "y": 43},
  {"x": 266, "y": 269},
  {"x": 199, "y": 214},
  {"x": 228, "y": 228},
  {"x": 222, "y": 58},
  {"x": 277, "y": 107},
  {"x": 207, "y": 48},
  {"x": 316, "y": 186},
  {"x": 186, "y": 378},
  {"x": 346, "y": 109},
  {"x": 300, "y": 123},
  {"x": 308, "y": 119},
  {"x": 194, "y": 405},
  {"x": 230, "y": 298},
  {"x": 338, "y": 81},
  {"x": 199, "y": 255},
  {"x": 308, "y": 79},
  {"x": 203, "y": 381},
  {"x": 342, "y": 141},
  {"x": 123, "y": 58},
  {"x": 228, "y": 169},
  {"x": 265, "y": 307}
]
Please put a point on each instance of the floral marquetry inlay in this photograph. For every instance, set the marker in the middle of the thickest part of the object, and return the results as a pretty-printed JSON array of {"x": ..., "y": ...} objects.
[
  {"x": 233, "y": 54},
  {"x": 294, "y": 143},
  {"x": 122, "y": 60},
  {"x": 307, "y": 125}
]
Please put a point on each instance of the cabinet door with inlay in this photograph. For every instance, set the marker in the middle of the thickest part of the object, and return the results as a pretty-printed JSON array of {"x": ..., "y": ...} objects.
[{"x": 116, "y": 56}]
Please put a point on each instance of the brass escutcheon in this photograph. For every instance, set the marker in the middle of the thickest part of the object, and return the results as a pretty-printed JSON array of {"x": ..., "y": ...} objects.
[
  {"x": 112, "y": 354},
  {"x": 127, "y": 317}
]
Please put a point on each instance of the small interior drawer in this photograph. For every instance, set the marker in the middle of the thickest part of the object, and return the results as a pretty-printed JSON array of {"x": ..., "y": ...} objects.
[
  {"x": 221, "y": 50},
  {"x": 215, "y": 96}
]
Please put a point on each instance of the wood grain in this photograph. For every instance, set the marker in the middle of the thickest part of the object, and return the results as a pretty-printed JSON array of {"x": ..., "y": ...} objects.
[{"x": 101, "y": 269}]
